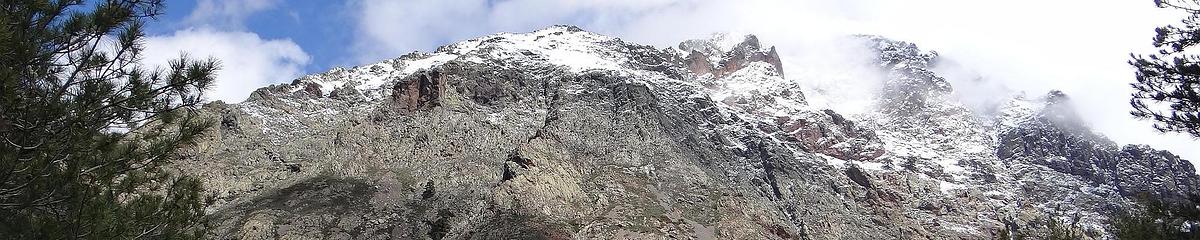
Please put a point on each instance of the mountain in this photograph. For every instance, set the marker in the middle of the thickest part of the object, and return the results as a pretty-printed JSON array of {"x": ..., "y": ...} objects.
[{"x": 563, "y": 133}]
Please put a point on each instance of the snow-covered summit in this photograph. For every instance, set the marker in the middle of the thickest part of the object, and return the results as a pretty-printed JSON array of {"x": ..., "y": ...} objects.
[{"x": 561, "y": 45}]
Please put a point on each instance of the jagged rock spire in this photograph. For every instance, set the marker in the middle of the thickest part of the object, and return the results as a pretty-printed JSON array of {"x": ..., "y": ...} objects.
[{"x": 718, "y": 57}]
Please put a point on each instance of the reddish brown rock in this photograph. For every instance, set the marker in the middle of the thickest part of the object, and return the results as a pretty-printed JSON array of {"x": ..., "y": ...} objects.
[
  {"x": 749, "y": 51},
  {"x": 698, "y": 63},
  {"x": 746, "y": 52},
  {"x": 312, "y": 89},
  {"x": 419, "y": 91},
  {"x": 830, "y": 134}
]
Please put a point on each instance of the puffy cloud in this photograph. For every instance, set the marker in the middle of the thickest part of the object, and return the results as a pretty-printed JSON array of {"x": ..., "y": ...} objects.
[
  {"x": 1078, "y": 46},
  {"x": 216, "y": 29},
  {"x": 248, "y": 62}
]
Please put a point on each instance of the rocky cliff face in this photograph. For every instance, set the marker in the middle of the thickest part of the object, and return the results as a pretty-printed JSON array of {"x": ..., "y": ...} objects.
[
  {"x": 1056, "y": 138},
  {"x": 562, "y": 133}
]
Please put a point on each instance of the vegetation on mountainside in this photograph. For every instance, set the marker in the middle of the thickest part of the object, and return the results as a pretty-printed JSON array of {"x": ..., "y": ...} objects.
[{"x": 86, "y": 127}]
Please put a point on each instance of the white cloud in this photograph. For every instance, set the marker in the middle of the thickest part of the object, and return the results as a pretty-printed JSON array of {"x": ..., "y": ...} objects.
[
  {"x": 1078, "y": 46},
  {"x": 216, "y": 29},
  {"x": 226, "y": 14},
  {"x": 248, "y": 62},
  {"x": 391, "y": 28},
  {"x": 388, "y": 28}
]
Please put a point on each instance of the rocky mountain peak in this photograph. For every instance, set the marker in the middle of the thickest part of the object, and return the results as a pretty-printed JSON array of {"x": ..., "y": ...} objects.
[
  {"x": 1055, "y": 97},
  {"x": 910, "y": 83},
  {"x": 1058, "y": 109},
  {"x": 564, "y": 133},
  {"x": 1055, "y": 136},
  {"x": 720, "y": 55},
  {"x": 566, "y": 28}
]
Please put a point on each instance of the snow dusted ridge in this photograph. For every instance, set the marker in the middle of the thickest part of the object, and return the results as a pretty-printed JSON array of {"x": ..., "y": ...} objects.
[
  {"x": 564, "y": 133},
  {"x": 326, "y": 94},
  {"x": 564, "y": 46}
]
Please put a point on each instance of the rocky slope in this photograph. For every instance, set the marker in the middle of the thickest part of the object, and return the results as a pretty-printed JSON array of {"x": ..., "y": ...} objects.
[{"x": 563, "y": 133}]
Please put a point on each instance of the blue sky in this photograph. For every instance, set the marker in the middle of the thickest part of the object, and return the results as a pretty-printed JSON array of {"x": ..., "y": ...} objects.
[
  {"x": 1077, "y": 46},
  {"x": 323, "y": 27}
]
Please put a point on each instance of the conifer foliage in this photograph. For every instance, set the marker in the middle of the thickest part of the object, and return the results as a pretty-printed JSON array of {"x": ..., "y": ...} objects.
[
  {"x": 1167, "y": 90},
  {"x": 85, "y": 127},
  {"x": 1153, "y": 218}
]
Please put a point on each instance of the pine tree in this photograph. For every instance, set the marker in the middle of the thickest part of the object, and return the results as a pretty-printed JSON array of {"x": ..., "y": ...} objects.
[
  {"x": 86, "y": 128},
  {"x": 1167, "y": 90},
  {"x": 1153, "y": 218}
]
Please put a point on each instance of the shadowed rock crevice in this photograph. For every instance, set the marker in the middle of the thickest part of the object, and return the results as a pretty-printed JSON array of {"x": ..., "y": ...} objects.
[
  {"x": 440, "y": 227},
  {"x": 859, "y": 177},
  {"x": 508, "y": 171}
]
